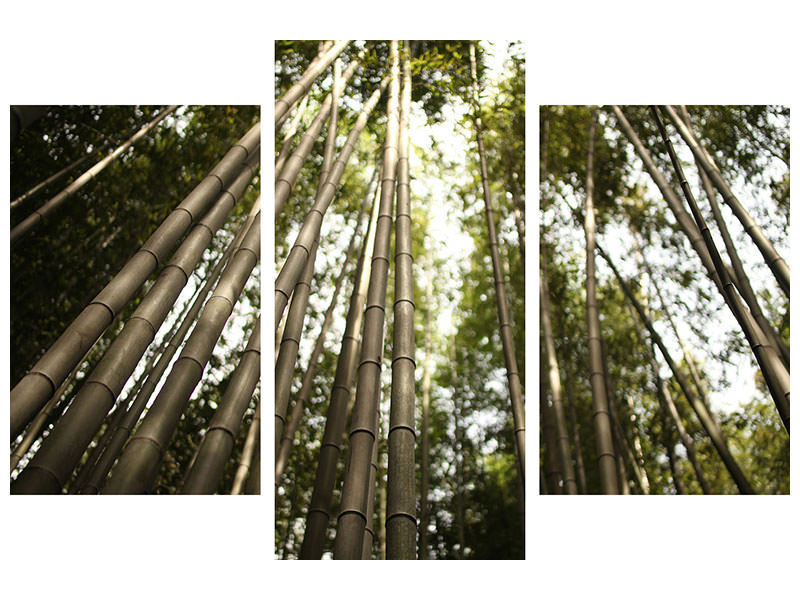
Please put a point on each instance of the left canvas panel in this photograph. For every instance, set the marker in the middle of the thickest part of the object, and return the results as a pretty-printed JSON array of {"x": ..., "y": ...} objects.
[{"x": 135, "y": 299}]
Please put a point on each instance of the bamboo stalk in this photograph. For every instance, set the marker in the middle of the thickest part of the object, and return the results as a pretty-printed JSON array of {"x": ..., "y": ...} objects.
[
  {"x": 295, "y": 262},
  {"x": 773, "y": 260},
  {"x": 118, "y": 439},
  {"x": 712, "y": 428},
  {"x": 306, "y": 386},
  {"x": 290, "y": 346},
  {"x": 50, "y": 469},
  {"x": 299, "y": 89},
  {"x": 606, "y": 456},
  {"x": 24, "y": 227},
  {"x": 401, "y": 509},
  {"x": 742, "y": 280},
  {"x": 775, "y": 374},
  {"x": 283, "y": 154},
  {"x": 285, "y": 180},
  {"x": 138, "y": 466},
  {"x": 52, "y": 179},
  {"x": 36, "y": 426},
  {"x": 512, "y": 370},
  {"x": 570, "y": 484},
  {"x": 33, "y": 391},
  {"x": 318, "y": 513},
  {"x": 248, "y": 474},
  {"x": 352, "y": 515},
  {"x": 551, "y": 468},
  {"x": 217, "y": 444}
]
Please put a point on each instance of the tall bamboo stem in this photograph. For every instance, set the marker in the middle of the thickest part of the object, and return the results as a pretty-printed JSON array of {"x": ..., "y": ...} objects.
[
  {"x": 352, "y": 515},
  {"x": 775, "y": 374},
  {"x": 299, "y": 89},
  {"x": 401, "y": 509},
  {"x": 606, "y": 457},
  {"x": 512, "y": 370},
  {"x": 318, "y": 514},
  {"x": 50, "y": 469},
  {"x": 217, "y": 444},
  {"x": 120, "y": 436},
  {"x": 138, "y": 466}
]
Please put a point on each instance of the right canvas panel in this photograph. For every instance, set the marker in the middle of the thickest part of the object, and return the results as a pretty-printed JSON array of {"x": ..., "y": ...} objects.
[{"x": 664, "y": 299}]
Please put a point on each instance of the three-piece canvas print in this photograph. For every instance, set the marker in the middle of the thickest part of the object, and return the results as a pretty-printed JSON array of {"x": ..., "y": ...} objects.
[{"x": 658, "y": 238}]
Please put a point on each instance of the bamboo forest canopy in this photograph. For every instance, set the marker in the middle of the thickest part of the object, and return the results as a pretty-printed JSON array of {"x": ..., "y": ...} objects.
[
  {"x": 438, "y": 346},
  {"x": 690, "y": 231},
  {"x": 124, "y": 244}
]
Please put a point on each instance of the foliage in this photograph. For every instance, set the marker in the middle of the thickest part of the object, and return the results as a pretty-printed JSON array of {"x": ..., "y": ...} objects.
[{"x": 751, "y": 146}]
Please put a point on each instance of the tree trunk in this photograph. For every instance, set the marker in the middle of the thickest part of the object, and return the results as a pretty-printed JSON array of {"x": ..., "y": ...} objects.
[
  {"x": 311, "y": 370},
  {"x": 576, "y": 436},
  {"x": 295, "y": 262},
  {"x": 552, "y": 470},
  {"x": 775, "y": 374},
  {"x": 248, "y": 473},
  {"x": 570, "y": 485},
  {"x": 54, "y": 406},
  {"x": 286, "y": 146},
  {"x": 217, "y": 444},
  {"x": 711, "y": 427},
  {"x": 285, "y": 180},
  {"x": 683, "y": 218},
  {"x": 606, "y": 457},
  {"x": 123, "y": 406},
  {"x": 687, "y": 357},
  {"x": 299, "y": 89},
  {"x": 52, "y": 179},
  {"x": 458, "y": 449},
  {"x": 369, "y": 531},
  {"x": 290, "y": 345},
  {"x": 665, "y": 398},
  {"x": 742, "y": 280}
]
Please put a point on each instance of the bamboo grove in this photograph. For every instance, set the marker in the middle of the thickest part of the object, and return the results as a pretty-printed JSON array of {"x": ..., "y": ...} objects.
[
  {"x": 664, "y": 299},
  {"x": 135, "y": 300},
  {"x": 399, "y": 369}
]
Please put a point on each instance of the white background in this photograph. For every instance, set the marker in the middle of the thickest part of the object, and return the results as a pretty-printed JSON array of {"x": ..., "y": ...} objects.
[{"x": 577, "y": 53}]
